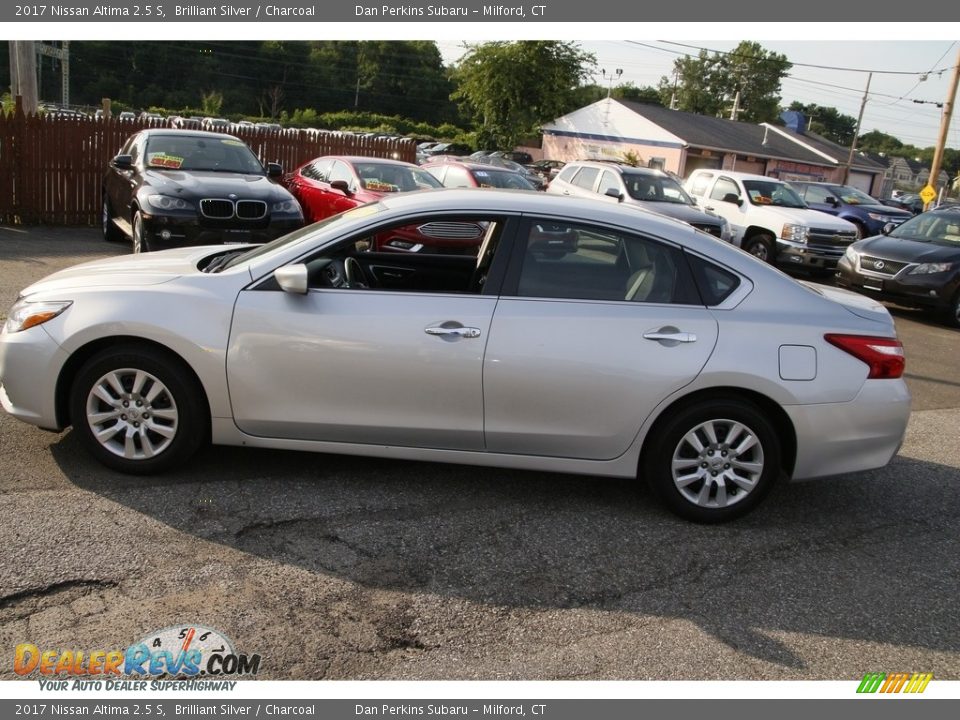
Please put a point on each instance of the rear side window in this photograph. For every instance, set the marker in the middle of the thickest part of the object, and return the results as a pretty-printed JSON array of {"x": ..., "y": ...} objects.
[
  {"x": 700, "y": 184},
  {"x": 714, "y": 283},
  {"x": 567, "y": 173},
  {"x": 586, "y": 178}
]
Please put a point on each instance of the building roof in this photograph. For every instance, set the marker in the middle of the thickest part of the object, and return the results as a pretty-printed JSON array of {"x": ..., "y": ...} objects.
[
  {"x": 836, "y": 151},
  {"x": 726, "y": 135}
]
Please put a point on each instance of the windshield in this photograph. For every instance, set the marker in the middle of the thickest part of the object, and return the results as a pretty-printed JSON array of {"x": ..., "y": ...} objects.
[
  {"x": 198, "y": 152},
  {"x": 652, "y": 188},
  {"x": 771, "y": 192},
  {"x": 387, "y": 178},
  {"x": 494, "y": 178},
  {"x": 941, "y": 228},
  {"x": 852, "y": 196}
]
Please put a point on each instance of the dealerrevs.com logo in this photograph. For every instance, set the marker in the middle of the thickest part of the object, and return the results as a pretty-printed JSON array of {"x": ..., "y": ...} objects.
[
  {"x": 911, "y": 683},
  {"x": 179, "y": 651}
]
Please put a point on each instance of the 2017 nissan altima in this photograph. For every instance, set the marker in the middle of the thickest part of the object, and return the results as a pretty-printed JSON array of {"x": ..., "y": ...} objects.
[{"x": 580, "y": 338}]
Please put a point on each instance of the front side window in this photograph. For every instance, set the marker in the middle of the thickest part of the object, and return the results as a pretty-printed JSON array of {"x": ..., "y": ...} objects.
[
  {"x": 572, "y": 261},
  {"x": 340, "y": 171},
  {"x": 608, "y": 181},
  {"x": 724, "y": 187}
]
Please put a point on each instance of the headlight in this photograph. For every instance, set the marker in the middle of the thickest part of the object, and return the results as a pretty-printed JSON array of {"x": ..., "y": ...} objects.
[
  {"x": 795, "y": 233},
  {"x": 165, "y": 202},
  {"x": 286, "y": 206},
  {"x": 931, "y": 268},
  {"x": 25, "y": 314},
  {"x": 851, "y": 254}
]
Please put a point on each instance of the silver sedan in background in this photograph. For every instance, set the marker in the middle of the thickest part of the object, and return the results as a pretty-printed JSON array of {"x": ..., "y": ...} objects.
[{"x": 580, "y": 337}]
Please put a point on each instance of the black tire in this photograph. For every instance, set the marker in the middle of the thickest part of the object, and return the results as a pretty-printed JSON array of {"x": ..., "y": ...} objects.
[
  {"x": 952, "y": 315},
  {"x": 111, "y": 233},
  {"x": 761, "y": 246},
  {"x": 861, "y": 229},
  {"x": 712, "y": 471},
  {"x": 165, "y": 430},
  {"x": 138, "y": 237}
]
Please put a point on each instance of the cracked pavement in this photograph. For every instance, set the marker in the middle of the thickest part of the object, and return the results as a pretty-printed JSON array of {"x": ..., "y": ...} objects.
[{"x": 336, "y": 567}]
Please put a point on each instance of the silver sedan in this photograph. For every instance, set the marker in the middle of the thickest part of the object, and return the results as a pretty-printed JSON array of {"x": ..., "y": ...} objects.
[{"x": 576, "y": 337}]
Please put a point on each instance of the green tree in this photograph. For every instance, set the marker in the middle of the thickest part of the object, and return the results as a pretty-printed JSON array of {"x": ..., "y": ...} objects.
[
  {"x": 828, "y": 122},
  {"x": 511, "y": 88},
  {"x": 710, "y": 84}
]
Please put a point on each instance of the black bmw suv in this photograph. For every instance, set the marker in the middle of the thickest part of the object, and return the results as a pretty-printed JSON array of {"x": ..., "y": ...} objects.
[
  {"x": 916, "y": 264},
  {"x": 170, "y": 188}
]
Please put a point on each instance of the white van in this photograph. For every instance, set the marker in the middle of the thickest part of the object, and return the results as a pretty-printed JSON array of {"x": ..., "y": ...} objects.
[{"x": 768, "y": 219}]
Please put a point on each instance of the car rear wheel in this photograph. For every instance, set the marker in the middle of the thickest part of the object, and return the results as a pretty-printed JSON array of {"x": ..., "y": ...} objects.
[
  {"x": 138, "y": 410},
  {"x": 760, "y": 246},
  {"x": 140, "y": 242},
  {"x": 111, "y": 233},
  {"x": 713, "y": 461}
]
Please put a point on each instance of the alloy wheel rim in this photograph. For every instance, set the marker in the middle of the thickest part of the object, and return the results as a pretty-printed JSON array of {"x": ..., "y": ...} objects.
[
  {"x": 105, "y": 217},
  {"x": 137, "y": 234},
  {"x": 759, "y": 250},
  {"x": 717, "y": 464},
  {"x": 132, "y": 414}
]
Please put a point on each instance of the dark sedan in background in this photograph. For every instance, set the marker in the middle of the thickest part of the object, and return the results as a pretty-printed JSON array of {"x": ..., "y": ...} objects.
[
  {"x": 916, "y": 264},
  {"x": 173, "y": 188}
]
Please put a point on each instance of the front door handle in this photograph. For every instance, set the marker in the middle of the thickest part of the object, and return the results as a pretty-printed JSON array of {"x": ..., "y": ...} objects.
[
  {"x": 670, "y": 336},
  {"x": 452, "y": 331}
]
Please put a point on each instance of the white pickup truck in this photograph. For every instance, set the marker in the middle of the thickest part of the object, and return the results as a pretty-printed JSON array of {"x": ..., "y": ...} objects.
[{"x": 768, "y": 219}]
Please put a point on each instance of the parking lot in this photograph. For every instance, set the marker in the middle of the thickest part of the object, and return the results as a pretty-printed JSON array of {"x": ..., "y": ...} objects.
[{"x": 336, "y": 567}]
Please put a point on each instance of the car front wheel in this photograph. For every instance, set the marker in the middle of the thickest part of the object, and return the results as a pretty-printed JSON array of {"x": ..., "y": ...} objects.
[
  {"x": 713, "y": 461},
  {"x": 138, "y": 410},
  {"x": 760, "y": 246},
  {"x": 140, "y": 242}
]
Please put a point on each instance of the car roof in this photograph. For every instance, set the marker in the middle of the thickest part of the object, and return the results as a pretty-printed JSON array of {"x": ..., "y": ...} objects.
[
  {"x": 469, "y": 165},
  {"x": 620, "y": 167},
  {"x": 738, "y": 175},
  {"x": 364, "y": 159},
  {"x": 174, "y": 132}
]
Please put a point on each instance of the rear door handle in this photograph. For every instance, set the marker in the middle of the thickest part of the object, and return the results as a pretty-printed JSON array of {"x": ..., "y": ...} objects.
[{"x": 452, "y": 331}]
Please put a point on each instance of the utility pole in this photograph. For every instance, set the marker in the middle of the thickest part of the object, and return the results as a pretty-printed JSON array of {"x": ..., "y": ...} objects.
[
  {"x": 615, "y": 74},
  {"x": 62, "y": 54},
  {"x": 673, "y": 95},
  {"x": 23, "y": 73},
  {"x": 856, "y": 133},
  {"x": 944, "y": 125},
  {"x": 736, "y": 106}
]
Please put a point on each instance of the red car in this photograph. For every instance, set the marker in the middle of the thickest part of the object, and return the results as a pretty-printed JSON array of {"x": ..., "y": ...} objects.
[{"x": 329, "y": 185}]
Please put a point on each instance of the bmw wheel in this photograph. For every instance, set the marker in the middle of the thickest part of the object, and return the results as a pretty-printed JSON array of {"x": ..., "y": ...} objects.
[
  {"x": 140, "y": 242},
  {"x": 138, "y": 410},
  {"x": 713, "y": 461}
]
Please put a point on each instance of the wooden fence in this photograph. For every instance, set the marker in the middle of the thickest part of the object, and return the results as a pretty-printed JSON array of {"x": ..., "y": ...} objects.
[{"x": 51, "y": 168}]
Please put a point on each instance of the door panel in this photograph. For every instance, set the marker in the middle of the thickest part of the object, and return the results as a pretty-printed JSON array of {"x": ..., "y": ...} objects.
[
  {"x": 359, "y": 366},
  {"x": 578, "y": 379}
]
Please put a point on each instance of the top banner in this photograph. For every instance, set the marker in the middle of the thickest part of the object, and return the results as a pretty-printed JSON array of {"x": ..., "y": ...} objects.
[{"x": 553, "y": 11}]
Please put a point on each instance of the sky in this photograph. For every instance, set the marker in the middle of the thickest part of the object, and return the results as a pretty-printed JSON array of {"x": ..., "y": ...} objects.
[{"x": 890, "y": 107}]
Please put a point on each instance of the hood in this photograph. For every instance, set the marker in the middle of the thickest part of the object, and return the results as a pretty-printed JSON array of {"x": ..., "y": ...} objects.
[
  {"x": 213, "y": 184},
  {"x": 679, "y": 211},
  {"x": 124, "y": 271},
  {"x": 808, "y": 217},
  {"x": 859, "y": 305},
  {"x": 908, "y": 251},
  {"x": 884, "y": 210}
]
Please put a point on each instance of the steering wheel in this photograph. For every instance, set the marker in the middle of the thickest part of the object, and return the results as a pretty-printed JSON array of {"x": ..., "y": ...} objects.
[{"x": 345, "y": 274}]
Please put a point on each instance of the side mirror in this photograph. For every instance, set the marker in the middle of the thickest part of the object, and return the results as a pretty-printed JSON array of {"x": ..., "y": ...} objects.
[
  {"x": 614, "y": 193},
  {"x": 733, "y": 198},
  {"x": 342, "y": 186},
  {"x": 888, "y": 228},
  {"x": 274, "y": 170},
  {"x": 830, "y": 200},
  {"x": 122, "y": 162},
  {"x": 292, "y": 278}
]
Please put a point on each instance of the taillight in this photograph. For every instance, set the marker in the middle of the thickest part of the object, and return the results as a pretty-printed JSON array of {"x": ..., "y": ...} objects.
[{"x": 884, "y": 356}]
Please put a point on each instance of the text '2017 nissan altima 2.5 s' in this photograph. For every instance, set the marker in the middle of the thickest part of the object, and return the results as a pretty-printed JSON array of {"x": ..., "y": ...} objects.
[{"x": 580, "y": 337}]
